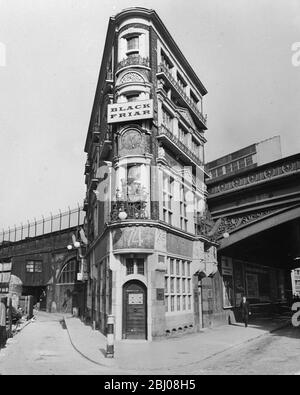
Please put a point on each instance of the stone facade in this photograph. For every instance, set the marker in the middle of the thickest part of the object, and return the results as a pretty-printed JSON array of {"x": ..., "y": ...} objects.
[{"x": 146, "y": 193}]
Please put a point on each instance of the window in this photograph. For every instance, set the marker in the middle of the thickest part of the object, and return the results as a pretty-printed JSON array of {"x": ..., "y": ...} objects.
[
  {"x": 194, "y": 98},
  {"x": 129, "y": 266},
  {"x": 196, "y": 148},
  {"x": 179, "y": 280},
  {"x": 165, "y": 60},
  {"x": 167, "y": 119},
  {"x": 242, "y": 163},
  {"x": 134, "y": 183},
  {"x": 183, "y": 209},
  {"x": 172, "y": 303},
  {"x": 135, "y": 266},
  {"x": 133, "y": 43},
  {"x": 228, "y": 168},
  {"x": 220, "y": 171},
  {"x": 249, "y": 161},
  {"x": 140, "y": 266},
  {"x": 68, "y": 273},
  {"x": 213, "y": 173},
  {"x": 34, "y": 266},
  {"x": 235, "y": 166},
  {"x": 183, "y": 135},
  {"x": 181, "y": 82},
  {"x": 132, "y": 97},
  {"x": 168, "y": 196}
]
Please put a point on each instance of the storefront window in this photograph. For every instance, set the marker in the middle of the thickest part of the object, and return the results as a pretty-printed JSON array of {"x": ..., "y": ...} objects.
[{"x": 227, "y": 272}]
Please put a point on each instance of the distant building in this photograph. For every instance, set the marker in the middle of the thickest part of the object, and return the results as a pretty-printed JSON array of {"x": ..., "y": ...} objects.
[
  {"x": 246, "y": 158},
  {"x": 254, "y": 196},
  {"x": 34, "y": 258},
  {"x": 296, "y": 282}
]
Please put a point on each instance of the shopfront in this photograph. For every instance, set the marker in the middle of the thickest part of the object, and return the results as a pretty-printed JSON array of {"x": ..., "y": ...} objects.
[{"x": 260, "y": 284}]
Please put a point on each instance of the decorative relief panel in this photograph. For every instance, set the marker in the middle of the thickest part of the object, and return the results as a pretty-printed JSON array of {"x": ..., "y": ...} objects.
[
  {"x": 256, "y": 177},
  {"x": 131, "y": 77},
  {"x": 133, "y": 142},
  {"x": 133, "y": 237},
  {"x": 228, "y": 224}
]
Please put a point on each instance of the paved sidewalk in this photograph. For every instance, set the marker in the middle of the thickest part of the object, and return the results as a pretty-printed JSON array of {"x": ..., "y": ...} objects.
[{"x": 166, "y": 354}]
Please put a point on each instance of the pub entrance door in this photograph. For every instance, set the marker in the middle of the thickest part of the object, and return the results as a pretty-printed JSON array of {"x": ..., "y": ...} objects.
[{"x": 134, "y": 310}]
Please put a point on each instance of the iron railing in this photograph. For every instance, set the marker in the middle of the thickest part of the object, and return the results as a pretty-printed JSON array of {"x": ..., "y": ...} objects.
[
  {"x": 163, "y": 130},
  {"x": 54, "y": 223},
  {"x": 135, "y": 60},
  {"x": 163, "y": 69},
  {"x": 133, "y": 210}
]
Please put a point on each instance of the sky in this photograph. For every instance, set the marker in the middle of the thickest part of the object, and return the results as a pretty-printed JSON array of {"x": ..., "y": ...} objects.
[{"x": 49, "y": 64}]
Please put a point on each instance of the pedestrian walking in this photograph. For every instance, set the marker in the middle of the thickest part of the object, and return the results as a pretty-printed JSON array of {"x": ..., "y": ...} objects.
[
  {"x": 2, "y": 323},
  {"x": 245, "y": 310}
]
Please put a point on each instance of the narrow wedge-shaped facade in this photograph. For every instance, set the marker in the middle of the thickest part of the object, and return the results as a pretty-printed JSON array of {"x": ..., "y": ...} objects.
[{"x": 150, "y": 236}]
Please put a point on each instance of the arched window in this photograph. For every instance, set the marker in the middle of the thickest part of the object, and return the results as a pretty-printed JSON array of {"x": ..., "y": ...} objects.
[{"x": 68, "y": 273}]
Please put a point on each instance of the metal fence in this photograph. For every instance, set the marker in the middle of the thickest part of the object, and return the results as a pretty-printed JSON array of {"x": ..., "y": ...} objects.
[{"x": 54, "y": 223}]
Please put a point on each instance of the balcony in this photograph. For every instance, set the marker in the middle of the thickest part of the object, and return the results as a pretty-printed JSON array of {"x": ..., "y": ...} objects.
[
  {"x": 123, "y": 210},
  {"x": 178, "y": 147},
  {"x": 136, "y": 60},
  {"x": 171, "y": 81}
]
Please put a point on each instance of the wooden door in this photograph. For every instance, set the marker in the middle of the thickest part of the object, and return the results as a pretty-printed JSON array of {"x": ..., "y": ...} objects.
[{"x": 134, "y": 311}]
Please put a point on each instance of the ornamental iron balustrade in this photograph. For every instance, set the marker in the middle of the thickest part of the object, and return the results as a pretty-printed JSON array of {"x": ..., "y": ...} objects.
[
  {"x": 134, "y": 210},
  {"x": 163, "y": 130},
  {"x": 163, "y": 69},
  {"x": 135, "y": 60}
]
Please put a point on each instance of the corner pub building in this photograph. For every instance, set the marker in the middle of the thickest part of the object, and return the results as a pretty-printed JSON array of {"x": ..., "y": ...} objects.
[{"x": 149, "y": 244}]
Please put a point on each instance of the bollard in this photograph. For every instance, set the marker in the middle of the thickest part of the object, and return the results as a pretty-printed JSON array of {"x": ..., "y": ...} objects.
[{"x": 110, "y": 337}]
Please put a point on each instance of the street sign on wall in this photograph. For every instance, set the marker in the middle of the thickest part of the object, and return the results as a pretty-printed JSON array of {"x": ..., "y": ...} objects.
[{"x": 130, "y": 111}]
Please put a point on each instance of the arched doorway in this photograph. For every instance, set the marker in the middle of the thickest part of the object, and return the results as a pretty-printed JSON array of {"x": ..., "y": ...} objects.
[{"x": 134, "y": 310}]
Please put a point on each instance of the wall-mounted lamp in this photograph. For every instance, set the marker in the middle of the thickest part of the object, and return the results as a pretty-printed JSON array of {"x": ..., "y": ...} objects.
[{"x": 122, "y": 215}]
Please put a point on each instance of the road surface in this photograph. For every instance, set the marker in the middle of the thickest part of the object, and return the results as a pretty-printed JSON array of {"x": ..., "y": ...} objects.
[{"x": 44, "y": 348}]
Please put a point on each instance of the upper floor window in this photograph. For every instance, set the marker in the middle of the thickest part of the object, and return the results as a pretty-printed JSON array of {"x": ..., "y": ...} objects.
[
  {"x": 133, "y": 43},
  {"x": 181, "y": 82},
  {"x": 183, "y": 209},
  {"x": 183, "y": 135},
  {"x": 167, "y": 119},
  {"x": 196, "y": 148},
  {"x": 34, "y": 266},
  {"x": 165, "y": 60},
  {"x": 168, "y": 198},
  {"x": 132, "y": 97},
  {"x": 194, "y": 98}
]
